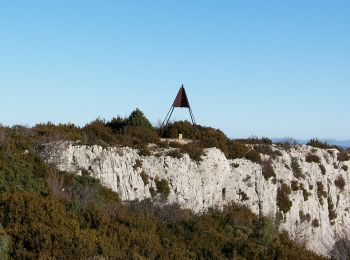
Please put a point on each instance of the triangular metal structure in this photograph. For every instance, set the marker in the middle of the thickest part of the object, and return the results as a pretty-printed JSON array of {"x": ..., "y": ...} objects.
[{"x": 181, "y": 101}]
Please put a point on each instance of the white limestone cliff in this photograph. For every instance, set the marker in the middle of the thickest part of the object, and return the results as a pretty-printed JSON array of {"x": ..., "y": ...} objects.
[{"x": 216, "y": 181}]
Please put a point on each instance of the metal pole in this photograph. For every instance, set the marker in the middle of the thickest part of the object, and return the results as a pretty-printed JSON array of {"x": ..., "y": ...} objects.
[{"x": 167, "y": 118}]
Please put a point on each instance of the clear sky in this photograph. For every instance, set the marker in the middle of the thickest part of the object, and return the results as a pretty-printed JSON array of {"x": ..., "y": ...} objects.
[{"x": 268, "y": 68}]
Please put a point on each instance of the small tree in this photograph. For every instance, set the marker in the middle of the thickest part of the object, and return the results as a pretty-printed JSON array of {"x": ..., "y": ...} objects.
[{"x": 137, "y": 118}]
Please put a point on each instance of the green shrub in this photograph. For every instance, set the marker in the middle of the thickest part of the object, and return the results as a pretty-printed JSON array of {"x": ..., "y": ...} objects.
[
  {"x": 152, "y": 191},
  {"x": 287, "y": 144},
  {"x": 141, "y": 135},
  {"x": 315, "y": 223},
  {"x": 143, "y": 150},
  {"x": 237, "y": 150},
  {"x": 180, "y": 127},
  {"x": 340, "y": 182},
  {"x": 163, "y": 187},
  {"x": 253, "y": 156},
  {"x": 256, "y": 140},
  {"x": 145, "y": 177},
  {"x": 21, "y": 172},
  {"x": 297, "y": 172},
  {"x": 295, "y": 185},
  {"x": 137, "y": 118},
  {"x": 306, "y": 194},
  {"x": 319, "y": 144},
  {"x": 265, "y": 231},
  {"x": 117, "y": 124},
  {"x": 194, "y": 150},
  {"x": 304, "y": 217},
  {"x": 343, "y": 156},
  {"x": 310, "y": 158},
  {"x": 332, "y": 213},
  {"x": 98, "y": 133},
  {"x": 321, "y": 193},
  {"x": 5, "y": 244},
  {"x": 283, "y": 201},
  {"x": 138, "y": 164},
  {"x": 235, "y": 165},
  {"x": 210, "y": 137},
  {"x": 49, "y": 132},
  {"x": 267, "y": 169},
  {"x": 267, "y": 149},
  {"x": 243, "y": 195},
  {"x": 175, "y": 154},
  {"x": 323, "y": 169}
]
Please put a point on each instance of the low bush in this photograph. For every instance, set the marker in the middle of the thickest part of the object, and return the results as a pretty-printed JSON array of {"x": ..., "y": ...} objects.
[
  {"x": 297, "y": 172},
  {"x": 295, "y": 185},
  {"x": 153, "y": 192},
  {"x": 210, "y": 137},
  {"x": 319, "y": 144},
  {"x": 19, "y": 171},
  {"x": 141, "y": 135},
  {"x": 315, "y": 223},
  {"x": 143, "y": 150},
  {"x": 267, "y": 169},
  {"x": 345, "y": 168},
  {"x": 237, "y": 150},
  {"x": 304, "y": 217},
  {"x": 163, "y": 187},
  {"x": 180, "y": 127},
  {"x": 341, "y": 248},
  {"x": 312, "y": 158},
  {"x": 321, "y": 193},
  {"x": 265, "y": 231},
  {"x": 306, "y": 194},
  {"x": 323, "y": 169},
  {"x": 283, "y": 201},
  {"x": 138, "y": 164},
  {"x": 256, "y": 140},
  {"x": 343, "y": 156},
  {"x": 253, "y": 156},
  {"x": 235, "y": 165},
  {"x": 175, "y": 154},
  {"x": 340, "y": 182},
  {"x": 267, "y": 149},
  {"x": 194, "y": 151},
  {"x": 332, "y": 213},
  {"x": 144, "y": 177},
  {"x": 287, "y": 144},
  {"x": 243, "y": 195}
]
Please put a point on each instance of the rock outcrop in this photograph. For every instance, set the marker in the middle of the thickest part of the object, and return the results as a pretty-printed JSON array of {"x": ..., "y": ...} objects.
[{"x": 313, "y": 205}]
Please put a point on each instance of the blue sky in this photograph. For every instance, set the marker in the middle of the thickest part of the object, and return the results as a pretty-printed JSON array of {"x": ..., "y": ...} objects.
[{"x": 266, "y": 68}]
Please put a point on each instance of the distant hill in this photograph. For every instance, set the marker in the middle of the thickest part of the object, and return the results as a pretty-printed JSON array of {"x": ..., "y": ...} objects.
[{"x": 342, "y": 143}]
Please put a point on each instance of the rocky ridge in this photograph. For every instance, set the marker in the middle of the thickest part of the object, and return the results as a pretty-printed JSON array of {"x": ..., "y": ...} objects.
[{"x": 313, "y": 205}]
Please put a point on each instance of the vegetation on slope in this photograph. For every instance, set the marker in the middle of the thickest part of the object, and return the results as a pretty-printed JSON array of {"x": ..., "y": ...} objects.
[{"x": 47, "y": 214}]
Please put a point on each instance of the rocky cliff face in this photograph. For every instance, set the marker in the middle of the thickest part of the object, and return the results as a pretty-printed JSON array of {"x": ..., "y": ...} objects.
[{"x": 312, "y": 205}]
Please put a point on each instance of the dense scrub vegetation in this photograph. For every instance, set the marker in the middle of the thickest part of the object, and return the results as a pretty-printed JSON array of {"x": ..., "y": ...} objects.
[{"x": 46, "y": 214}]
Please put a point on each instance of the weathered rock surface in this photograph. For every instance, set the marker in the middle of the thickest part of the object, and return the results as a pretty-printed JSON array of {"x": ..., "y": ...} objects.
[{"x": 216, "y": 181}]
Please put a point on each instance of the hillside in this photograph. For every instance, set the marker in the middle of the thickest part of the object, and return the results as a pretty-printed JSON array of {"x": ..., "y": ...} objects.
[
  {"x": 305, "y": 189},
  {"x": 54, "y": 206}
]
